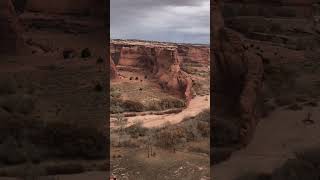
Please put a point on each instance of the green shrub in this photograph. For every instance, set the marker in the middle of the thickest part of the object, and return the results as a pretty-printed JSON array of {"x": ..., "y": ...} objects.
[
  {"x": 136, "y": 130},
  {"x": 169, "y": 103},
  {"x": 132, "y": 106}
]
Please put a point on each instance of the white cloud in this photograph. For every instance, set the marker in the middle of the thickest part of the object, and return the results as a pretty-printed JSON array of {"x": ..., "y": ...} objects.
[{"x": 164, "y": 22}]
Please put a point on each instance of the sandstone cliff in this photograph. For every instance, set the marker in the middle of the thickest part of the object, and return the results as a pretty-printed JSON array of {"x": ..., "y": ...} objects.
[
  {"x": 82, "y": 7},
  {"x": 162, "y": 61},
  {"x": 237, "y": 80},
  {"x": 10, "y": 29}
]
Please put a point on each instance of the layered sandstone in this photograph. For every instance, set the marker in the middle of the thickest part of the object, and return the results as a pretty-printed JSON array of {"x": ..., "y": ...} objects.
[
  {"x": 237, "y": 77},
  {"x": 289, "y": 24},
  {"x": 82, "y": 7},
  {"x": 160, "y": 60},
  {"x": 10, "y": 28},
  {"x": 113, "y": 70}
]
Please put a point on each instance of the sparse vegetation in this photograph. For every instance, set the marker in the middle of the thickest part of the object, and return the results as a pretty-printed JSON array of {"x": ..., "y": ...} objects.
[{"x": 86, "y": 53}]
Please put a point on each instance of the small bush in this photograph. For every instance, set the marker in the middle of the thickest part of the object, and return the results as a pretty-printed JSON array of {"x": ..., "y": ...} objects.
[
  {"x": 85, "y": 53},
  {"x": 169, "y": 103},
  {"x": 136, "y": 130},
  {"x": 98, "y": 87},
  {"x": 132, "y": 106},
  {"x": 68, "y": 53}
]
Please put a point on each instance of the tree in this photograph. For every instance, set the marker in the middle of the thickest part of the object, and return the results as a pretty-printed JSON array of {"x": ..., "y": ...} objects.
[{"x": 122, "y": 123}]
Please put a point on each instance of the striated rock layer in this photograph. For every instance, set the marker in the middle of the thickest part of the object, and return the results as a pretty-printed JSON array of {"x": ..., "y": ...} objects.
[
  {"x": 113, "y": 70},
  {"x": 10, "y": 29},
  {"x": 162, "y": 61},
  {"x": 237, "y": 78},
  {"x": 84, "y": 7}
]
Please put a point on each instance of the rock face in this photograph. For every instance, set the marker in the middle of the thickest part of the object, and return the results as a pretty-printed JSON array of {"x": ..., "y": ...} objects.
[
  {"x": 113, "y": 70},
  {"x": 10, "y": 29},
  {"x": 94, "y": 7},
  {"x": 237, "y": 77},
  {"x": 286, "y": 23},
  {"x": 162, "y": 61}
]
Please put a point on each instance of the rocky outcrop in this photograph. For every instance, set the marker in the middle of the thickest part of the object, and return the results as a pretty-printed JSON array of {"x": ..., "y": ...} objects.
[
  {"x": 285, "y": 23},
  {"x": 237, "y": 77},
  {"x": 197, "y": 54},
  {"x": 83, "y": 7},
  {"x": 10, "y": 29},
  {"x": 158, "y": 60},
  {"x": 113, "y": 70}
]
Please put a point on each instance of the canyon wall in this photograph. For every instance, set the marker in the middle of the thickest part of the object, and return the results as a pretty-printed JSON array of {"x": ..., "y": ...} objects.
[
  {"x": 290, "y": 24},
  {"x": 162, "y": 61},
  {"x": 237, "y": 79},
  {"x": 10, "y": 28},
  {"x": 84, "y": 7}
]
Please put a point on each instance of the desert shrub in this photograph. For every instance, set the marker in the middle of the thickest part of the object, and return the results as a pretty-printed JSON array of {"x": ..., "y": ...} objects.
[
  {"x": 115, "y": 105},
  {"x": 132, "y": 106},
  {"x": 127, "y": 141},
  {"x": 136, "y": 130},
  {"x": 114, "y": 93},
  {"x": 203, "y": 116},
  {"x": 169, "y": 103},
  {"x": 85, "y": 53},
  {"x": 153, "y": 106},
  {"x": 204, "y": 129},
  {"x": 68, "y": 53},
  {"x": 168, "y": 137},
  {"x": 98, "y": 87},
  {"x": 70, "y": 168}
]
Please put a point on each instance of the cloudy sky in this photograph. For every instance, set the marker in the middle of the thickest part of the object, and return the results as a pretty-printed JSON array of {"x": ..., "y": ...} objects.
[{"x": 185, "y": 21}]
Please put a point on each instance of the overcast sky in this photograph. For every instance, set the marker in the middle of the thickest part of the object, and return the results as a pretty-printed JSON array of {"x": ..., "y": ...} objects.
[{"x": 185, "y": 21}]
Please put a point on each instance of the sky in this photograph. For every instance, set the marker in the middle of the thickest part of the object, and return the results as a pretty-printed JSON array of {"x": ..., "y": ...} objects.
[{"x": 184, "y": 21}]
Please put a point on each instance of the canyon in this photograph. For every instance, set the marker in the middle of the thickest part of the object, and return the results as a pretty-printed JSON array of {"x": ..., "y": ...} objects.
[
  {"x": 277, "y": 43},
  {"x": 52, "y": 98},
  {"x": 159, "y": 87}
]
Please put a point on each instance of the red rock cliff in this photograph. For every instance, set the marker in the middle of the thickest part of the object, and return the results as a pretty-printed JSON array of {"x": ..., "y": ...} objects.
[
  {"x": 237, "y": 78},
  {"x": 162, "y": 61}
]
